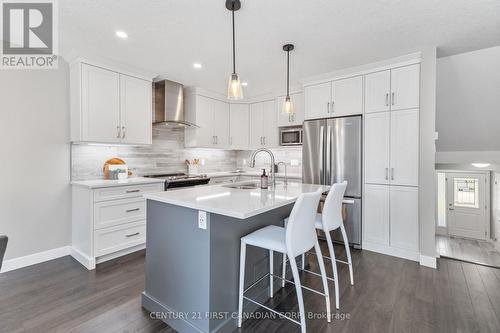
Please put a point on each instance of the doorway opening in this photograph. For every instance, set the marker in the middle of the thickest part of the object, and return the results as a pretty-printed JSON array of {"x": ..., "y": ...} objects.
[{"x": 463, "y": 218}]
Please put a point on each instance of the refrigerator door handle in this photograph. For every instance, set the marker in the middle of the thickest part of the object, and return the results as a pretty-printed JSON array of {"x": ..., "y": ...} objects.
[
  {"x": 328, "y": 155},
  {"x": 322, "y": 155}
]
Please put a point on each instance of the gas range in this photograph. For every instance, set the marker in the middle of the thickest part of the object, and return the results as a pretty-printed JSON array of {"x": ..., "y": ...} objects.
[{"x": 178, "y": 180}]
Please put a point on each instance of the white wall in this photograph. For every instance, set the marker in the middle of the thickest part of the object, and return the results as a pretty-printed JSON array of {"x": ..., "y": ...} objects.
[
  {"x": 468, "y": 104},
  {"x": 35, "y": 197}
]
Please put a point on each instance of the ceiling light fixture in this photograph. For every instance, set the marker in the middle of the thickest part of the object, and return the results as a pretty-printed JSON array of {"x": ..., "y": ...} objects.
[
  {"x": 288, "y": 105},
  {"x": 197, "y": 65},
  {"x": 234, "y": 90},
  {"x": 481, "y": 165},
  {"x": 121, "y": 34}
]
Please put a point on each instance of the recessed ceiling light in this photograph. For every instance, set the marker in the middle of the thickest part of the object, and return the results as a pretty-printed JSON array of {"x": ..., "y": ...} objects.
[
  {"x": 244, "y": 84},
  {"x": 121, "y": 34},
  {"x": 197, "y": 65},
  {"x": 481, "y": 165}
]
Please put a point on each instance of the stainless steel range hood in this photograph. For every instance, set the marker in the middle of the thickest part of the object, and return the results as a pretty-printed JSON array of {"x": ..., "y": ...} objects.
[{"x": 169, "y": 104}]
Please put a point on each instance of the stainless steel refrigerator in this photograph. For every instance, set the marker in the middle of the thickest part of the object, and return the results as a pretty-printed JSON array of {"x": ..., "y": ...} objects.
[{"x": 332, "y": 151}]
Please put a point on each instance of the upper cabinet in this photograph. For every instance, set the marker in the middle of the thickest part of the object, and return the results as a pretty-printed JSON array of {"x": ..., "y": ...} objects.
[
  {"x": 212, "y": 118},
  {"x": 295, "y": 119},
  {"x": 394, "y": 89},
  {"x": 238, "y": 126},
  {"x": 263, "y": 125},
  {"x": 334, "y": 99},
  {"x": 109, "y": 107}
]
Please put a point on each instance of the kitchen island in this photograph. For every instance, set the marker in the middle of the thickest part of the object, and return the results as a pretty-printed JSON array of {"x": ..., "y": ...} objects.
[{"x": 193, "y": 246}]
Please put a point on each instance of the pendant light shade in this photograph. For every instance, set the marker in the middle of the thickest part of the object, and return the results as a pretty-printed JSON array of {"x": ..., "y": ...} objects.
[
  {"x": 287, "y": 104},
  {"x": 234, "y": 88}
]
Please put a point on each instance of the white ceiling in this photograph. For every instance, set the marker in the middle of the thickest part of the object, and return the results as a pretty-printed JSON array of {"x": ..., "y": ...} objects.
[{"x": 167, "y": 36}]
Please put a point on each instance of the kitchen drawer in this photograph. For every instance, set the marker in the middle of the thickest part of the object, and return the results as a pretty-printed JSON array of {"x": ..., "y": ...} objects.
[
  {"x": 116, "y": 212},
  {"x": 122, "y": 192},
  {"x": 118, "y": 238}
]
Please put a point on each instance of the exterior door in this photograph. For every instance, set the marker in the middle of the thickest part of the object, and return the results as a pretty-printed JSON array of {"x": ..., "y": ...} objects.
[
  {"x": 467, "y": 207},
  {"x": 318, "y": 100}
]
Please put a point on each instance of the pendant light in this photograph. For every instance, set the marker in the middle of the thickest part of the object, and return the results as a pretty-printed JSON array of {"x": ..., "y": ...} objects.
[
  {"x": 287, "y": 104},
  {"x": 234, "y": 89}
]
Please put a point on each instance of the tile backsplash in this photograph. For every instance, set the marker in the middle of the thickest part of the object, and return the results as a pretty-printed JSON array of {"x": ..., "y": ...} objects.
[{"x": 167, "y": 155}]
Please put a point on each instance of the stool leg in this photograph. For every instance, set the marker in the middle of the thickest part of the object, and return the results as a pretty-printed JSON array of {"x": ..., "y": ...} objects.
[
  {"x": 303, "y": 261},
  {"x": 298, "y": 288},
  {"x": 325, "y": 282},
  {"x": 283, "y": 271},
  {"x": 348, "y": 252},
  {"x": 242, "y": 282},
  {"x": 271, "y": 272},
  {"x": 334, "y": 267}
]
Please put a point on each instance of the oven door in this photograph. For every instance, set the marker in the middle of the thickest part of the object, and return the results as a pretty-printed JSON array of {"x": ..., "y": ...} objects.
[{"x": 290, "y": 136}]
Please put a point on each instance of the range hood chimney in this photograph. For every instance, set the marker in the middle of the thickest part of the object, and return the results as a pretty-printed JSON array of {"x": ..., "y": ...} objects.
[{"x": 169, "y": 104}]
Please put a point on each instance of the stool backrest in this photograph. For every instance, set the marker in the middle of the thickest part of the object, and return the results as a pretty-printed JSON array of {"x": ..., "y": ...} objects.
[
  {"x": 332, "y": 209},
  {"x": 300, "y": 230},
  {"x": 3, "y": 247}
]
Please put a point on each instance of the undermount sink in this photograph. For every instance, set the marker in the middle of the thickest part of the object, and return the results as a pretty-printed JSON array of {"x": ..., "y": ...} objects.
[{"x": 245, "y": 186}]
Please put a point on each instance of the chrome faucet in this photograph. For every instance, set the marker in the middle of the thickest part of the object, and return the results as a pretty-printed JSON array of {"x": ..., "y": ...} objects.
[
  {"x": 286, "y": 174},
  {"x": 252, "y": 162}
]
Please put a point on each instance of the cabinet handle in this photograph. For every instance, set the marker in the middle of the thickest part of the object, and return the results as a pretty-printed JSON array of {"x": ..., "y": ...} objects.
[
  {"x": 123, "y": 132},
  {"x": 293, "y": 117},
  {"x": 393, "y": 98},
  {"x": 289, "y": 118},
  {"x": 333, "y": 106},
  {"x": 392, "y": 173},
  {"x": 216, "y": 139},
  {"x": 133, "y": 210},
  {"x": 387, "y": 99},
  {"x": 386, "y": 173},
  {"x": 132, "y": 235},
  {"x": 328, "y": 107},
  {"x": 260, "y": 140},
  {"x": 118, "y": 132},
  {"x": 264, "y": 139},
  {"x": 132, "y": 191}
]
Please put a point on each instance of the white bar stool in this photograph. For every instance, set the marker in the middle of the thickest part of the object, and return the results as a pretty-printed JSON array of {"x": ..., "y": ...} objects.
[
  {"x": 331, "y": 219},
  {"x": 297, "y": 238}
]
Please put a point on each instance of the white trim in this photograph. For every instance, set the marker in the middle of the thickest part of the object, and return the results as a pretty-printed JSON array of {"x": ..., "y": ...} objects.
[
  {"x": 427, "y": 261},
  {"x": 35, "y": 258},
  {"x": 120, "y": 253},
  {"x": 86, "y": 261},
  {"x": 391, "y": 251}
]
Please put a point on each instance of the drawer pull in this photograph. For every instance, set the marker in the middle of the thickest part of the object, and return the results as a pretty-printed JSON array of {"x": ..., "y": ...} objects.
[
  {"x": 133, "y": 210},
  {"x": 133, "y": 191},
  {"x": 132, "y": 235}
]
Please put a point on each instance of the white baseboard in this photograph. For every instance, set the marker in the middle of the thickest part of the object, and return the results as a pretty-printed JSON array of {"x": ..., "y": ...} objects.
[
  {"x": 83, "y": 259},
  {"x": 390, "y": 250},
  {"x": 427, "y": 261},
  {"x": 33, "y": 259}
]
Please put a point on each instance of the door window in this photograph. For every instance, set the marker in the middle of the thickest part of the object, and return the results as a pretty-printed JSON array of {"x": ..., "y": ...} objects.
[{"x": 466, "y": 192}]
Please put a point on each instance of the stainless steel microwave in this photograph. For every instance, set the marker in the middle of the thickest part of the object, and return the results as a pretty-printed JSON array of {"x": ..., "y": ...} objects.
[{"x": 291, "y": 136}]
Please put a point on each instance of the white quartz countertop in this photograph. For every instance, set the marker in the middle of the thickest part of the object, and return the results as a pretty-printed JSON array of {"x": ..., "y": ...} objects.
[
  {"x": 100, "y": 183},
  {"x": 250, "y": 173},
  {"x": 238, "y": 203}
]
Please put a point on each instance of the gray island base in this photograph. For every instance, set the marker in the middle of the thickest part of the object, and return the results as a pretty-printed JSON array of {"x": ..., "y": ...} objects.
[{"x": 192, "y": 273}]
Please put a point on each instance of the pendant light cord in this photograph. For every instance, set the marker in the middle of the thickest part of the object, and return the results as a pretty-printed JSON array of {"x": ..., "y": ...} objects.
[
  {"x": 234, "y": 47},
  {"x": 288, "y": 73}
]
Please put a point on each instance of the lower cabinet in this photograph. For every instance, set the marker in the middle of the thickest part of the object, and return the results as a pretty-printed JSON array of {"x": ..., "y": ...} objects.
[
  {"x": 108, "y": 222},
  {"x": 391, "y": 220}
]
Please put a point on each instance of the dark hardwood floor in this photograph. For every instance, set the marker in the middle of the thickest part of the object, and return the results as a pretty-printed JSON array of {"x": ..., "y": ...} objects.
[
  {"x": 389, "y": 295},
  {"x": 472, "y": 250}
]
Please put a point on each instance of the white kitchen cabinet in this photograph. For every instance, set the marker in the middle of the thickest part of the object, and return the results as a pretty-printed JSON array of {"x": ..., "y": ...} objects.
[
  {"x": 405, "y": 87},
  {"x": 263, "y": 125},
  {"x": 136, "y": 110},
  {"x": 377, "y": 214},
  {"x": 212, "y": 118},
  {"x": 395, "y": 89},
  {"x": 404, "y": 218},
  {"x": 377, "y": 147},
  {"x": 108, "y": 106},
  {"x": 295, "y": 119},
  {"x": 347, "y": 97},
  {"x": 317, "y": 100},
  {"x": 391, "y": 147},
  {"x": 377, "y": 91},
  {"x": 238, "y": 126},
  {"x": 404, "y": 147}
]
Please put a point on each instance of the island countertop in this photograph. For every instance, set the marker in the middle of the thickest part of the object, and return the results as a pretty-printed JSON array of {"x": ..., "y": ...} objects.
[{"x": 233, "y": 202}]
